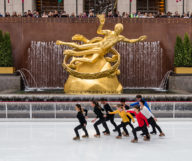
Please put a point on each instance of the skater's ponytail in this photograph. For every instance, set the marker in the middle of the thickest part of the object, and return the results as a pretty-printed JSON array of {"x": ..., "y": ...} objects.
[
  {"x": 79, "y": 107},
  {"x": 96, "y": 104}
]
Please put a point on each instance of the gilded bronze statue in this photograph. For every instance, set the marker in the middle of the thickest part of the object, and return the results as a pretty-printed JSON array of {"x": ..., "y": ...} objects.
[{"x": 90, "y": 70}]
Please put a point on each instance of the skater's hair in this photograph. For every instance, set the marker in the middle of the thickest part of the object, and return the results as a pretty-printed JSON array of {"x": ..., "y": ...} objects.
[
  {"x": 103, "y": 99},
  {"x": 122, "y": 100},
  {"x": 142, "y": 101},
  {"x": 119, "y": 106},
  {"x": 138, "y": 96},
  {"x": 79, "y": 107},
  {"x": 137, "y": 107},
  {"x": 96, "y": 104}
]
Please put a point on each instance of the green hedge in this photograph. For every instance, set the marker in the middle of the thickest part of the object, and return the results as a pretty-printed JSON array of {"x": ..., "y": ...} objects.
[
  {"x": 6, "y": 59},
  {"x": 183, "y": 52}
]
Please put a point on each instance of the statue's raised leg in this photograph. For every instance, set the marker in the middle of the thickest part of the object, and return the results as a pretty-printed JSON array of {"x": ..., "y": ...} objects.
[
  {"x": 82, "y": 53},
  {"x": 85, "y": 60}
]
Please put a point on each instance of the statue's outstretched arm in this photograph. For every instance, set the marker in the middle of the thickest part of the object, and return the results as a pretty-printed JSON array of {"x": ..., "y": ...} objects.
[
  {"x": 100, "y": 30},
  {"x": 141, "y": 38}
]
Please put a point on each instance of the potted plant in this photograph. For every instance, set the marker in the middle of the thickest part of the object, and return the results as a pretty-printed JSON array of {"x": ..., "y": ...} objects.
[
  {"x": 6, "y": 60},
  {"x": 183, "y": 55}
]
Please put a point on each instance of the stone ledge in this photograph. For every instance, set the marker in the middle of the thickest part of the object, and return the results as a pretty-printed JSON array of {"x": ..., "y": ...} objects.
[
  {"x": 180, "y": 83},
  {"x": 10, "y": 83}
]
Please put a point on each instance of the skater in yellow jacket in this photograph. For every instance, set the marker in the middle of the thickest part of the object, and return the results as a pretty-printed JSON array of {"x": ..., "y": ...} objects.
[{"x": 125, "y": 120}]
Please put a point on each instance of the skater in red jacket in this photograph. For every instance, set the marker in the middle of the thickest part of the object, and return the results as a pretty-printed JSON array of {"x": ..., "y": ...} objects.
[{"x": 143, "y": 124}]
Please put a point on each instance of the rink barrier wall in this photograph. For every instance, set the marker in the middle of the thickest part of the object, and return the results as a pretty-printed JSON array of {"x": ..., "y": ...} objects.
[{"x": 66, "y": 109}]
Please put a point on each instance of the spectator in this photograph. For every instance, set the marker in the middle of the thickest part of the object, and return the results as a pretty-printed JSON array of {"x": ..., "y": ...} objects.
[
  {"x": 185, "y": 15},
  {"x": 64, "y": 14},
  {"x": 1, "y": 15},
  {"x": 56, "y": 14},
  {"x": 72, "y": 15},
  {"x": 29, "y": 14},
  {"x": 7, "y": 14},
  {"x": 44, "y": 15}
]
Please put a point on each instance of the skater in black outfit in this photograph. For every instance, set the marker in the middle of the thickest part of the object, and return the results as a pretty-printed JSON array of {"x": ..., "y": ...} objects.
[
  {"x": 150, "y": 118},
  {"x": 99, "y": 114},
  {"x": 127, "y": 107},
  {"x": 82, "y": 122},
  {"x": 108, "y": 117}
]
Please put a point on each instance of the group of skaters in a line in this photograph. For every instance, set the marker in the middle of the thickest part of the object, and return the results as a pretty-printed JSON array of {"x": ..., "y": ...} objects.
[{"x": 140, "y": 110}]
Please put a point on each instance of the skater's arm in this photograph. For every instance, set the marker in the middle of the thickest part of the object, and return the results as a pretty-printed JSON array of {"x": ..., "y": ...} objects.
[
  {"x": 144, "y": 118},
  {"x": 114, "y": 112},
  {"x": 131, "y": 111},
  {"x": 133, "y": 104},
  {"x": 86, "y": 112},
  {"x": 128, "y": 114}
]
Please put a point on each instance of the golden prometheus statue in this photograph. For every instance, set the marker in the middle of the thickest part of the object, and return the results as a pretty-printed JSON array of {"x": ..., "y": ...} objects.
[{"x": 91, "y": 71}]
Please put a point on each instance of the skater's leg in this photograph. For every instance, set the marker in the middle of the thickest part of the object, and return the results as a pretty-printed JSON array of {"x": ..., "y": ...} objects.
[
  {"x": 76, "y": 130},
  {"x": 95, "y": 126},
  {"x": 85, "y": 130},
  {"x": 113, "y": 122},
  {"x": 125, "y": 129},
  {"x": 131, "y": 125},
  {"x": 156, "y": 126},
  {"x": 152, "y": 123},
  {"x": 145, "y": 131},
  {"x": 135, "y": 132},
  {"x": 105, "y": 126},
  {"x": 119, "y": 129}
]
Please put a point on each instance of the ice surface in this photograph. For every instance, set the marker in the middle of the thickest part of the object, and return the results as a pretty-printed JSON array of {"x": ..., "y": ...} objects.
[{"x": 52, "y": 141}]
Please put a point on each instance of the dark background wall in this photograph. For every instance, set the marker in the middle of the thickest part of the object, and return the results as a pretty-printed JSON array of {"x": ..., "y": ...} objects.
[{"x": 24, "y": 30}]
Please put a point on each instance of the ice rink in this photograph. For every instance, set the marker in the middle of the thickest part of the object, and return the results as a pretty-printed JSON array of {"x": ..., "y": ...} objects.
[{"x": 52, "y": 141}]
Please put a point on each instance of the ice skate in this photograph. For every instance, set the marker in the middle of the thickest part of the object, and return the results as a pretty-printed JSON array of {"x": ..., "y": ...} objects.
[
  {"x": 106, "y": 133},
  {"x": 85, "y": 136},
  {"x": 153, "y": 133},
  {"x": 127, "y": 135},
  {"x": 118, "y": 137},
  {"x": 76, "y": 138},
  {"x": 162, "y": 134},
  {"x": 97, "y": 136},
  {"x": 123, "y": 133},
  {"x": 134, "y": 140},
  {"x": 146, "y": 138}
]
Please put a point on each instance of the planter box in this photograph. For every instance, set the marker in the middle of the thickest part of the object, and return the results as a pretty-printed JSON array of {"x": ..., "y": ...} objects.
[
  {"x": 7, "y": 70},
  {"x": 183, "y": 70}
]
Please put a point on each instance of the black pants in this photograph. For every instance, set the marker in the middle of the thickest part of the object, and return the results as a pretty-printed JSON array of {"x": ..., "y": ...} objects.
[
  {"x": 130, "y": 124},
  {"x": 143, "y": 129},
  {"x": 101, "y": 121},
  {"x": 154, "y": 125},
  {"x": 123, "y": 125},
  {"x": 80, "y": 127},
  {"x": 111, "y": 118}
]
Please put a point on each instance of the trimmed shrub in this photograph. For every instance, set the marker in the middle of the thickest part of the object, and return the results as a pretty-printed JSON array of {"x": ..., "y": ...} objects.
[
  {"x": 6, "y": 59},
  {"x": 183, "y": 52}
]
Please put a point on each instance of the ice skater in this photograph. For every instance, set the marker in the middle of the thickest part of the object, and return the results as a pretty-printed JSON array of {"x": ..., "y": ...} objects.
[
  {"x": 150, "y": 118},
  {"x": 100, "y": 115},
  {"x": 82, "y": 121},
  {"x": 143, "y": 124},
  {"x": 125, "y": 120},
  {"x": 139, "y": 98},
  {"x": 126, "y": 107},
  {"x": 108, "y": 109}
]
